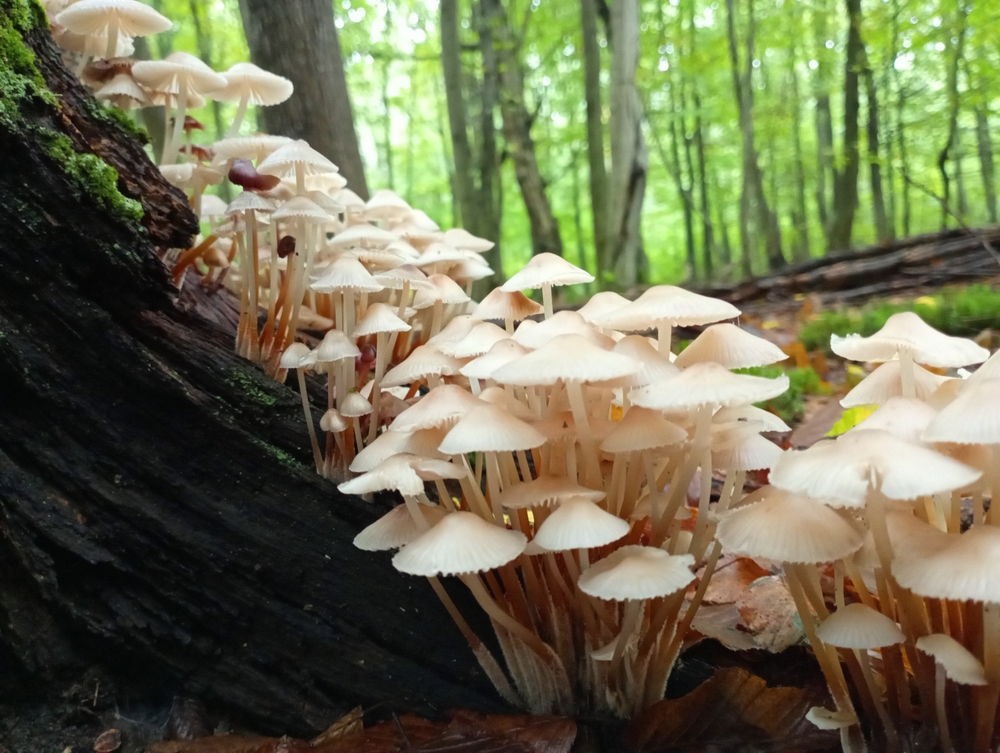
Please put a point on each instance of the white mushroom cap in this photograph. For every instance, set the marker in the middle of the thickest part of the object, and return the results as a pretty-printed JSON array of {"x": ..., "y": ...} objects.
[
  {"x": 480, "y": 339},
  {"x": 500, "y": 353},
  {"x": 361, "y": 235},
  {"x": 642, "y": 429},
  {"x": 671, "y": 305},
  {"x": 395, "y": 528},
  {"x": 134, "y": 19},
  {"x": 544, "y": 491},
  {"x": 445, "y": 290},
  {"x": 579, "y": 523},
  {"x": 708, "y": 384},
  {"x": 534, "y": 335},
  {"x": 355, "y": 405},
  {"x": 730, "y": 346},
  {"x": 336, "y": 346},
  {"x": 546, "y": 269},
  {"x": 965, "y": 567},
  {"x": 744, "y": 413},
  {"x": 283, "y": 161},
  {"x": 569, "y": 358},
  {"x": 394, "y": 278},
  {"x": 498, "y": 304},
  {"x": 499, "y": 397},
  {"x": 385, "y": 205},
  {"x": 906, "y": 331},
  {"x": 787, "y": 527},
  {"x": 248, "y": 147},
  {"x": 346, "y": 273},
  {"x": 423, "y": 443},
  {"x": 424, "y": 361},
  {"x": 246, "y": 201},
  {"x": 166, "y": 75},
  {"x": 442, "y": 406},
  {"x": 439, "y": 253},
  {"x": 885, "y": 382},
  {"x": 741, "y": 448},
  {"x": 460, "y": 543},
  {"x": 379, "y": 319},
  {"x": 299, "y": 207},
  {"x": 490, "y": 429},
  {"x": 123, "y": 92},
  {"x": 960, "y": 664},
  {"x": 825, "y": 719},
  {"x": 971, "y": 418},
  {"x": 656, "y": 366},
  {"x": 861, "y": 627},
  {"x": 259, "y": 87},
  {"x": 463, "y": 239},
  {"x": 843, "y": 470},
  {"x": 903, "y": 417},
  {"x": 403, "y": 473},
  {"x": 293, "y": 354},
  {"x": 637, "y": 572},
  {"x": 600, "y": 305},
  {"x": 454, "y": 330}
]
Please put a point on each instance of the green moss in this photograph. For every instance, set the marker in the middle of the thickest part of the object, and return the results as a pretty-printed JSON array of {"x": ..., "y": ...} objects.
[
  {"x": 280, "y": 455},
  {"x": 251, "y": 389},
  {"x": 20, "y": 79},
  {"x": 119, "y": 117},
  {"x": 790, "y": 405}
]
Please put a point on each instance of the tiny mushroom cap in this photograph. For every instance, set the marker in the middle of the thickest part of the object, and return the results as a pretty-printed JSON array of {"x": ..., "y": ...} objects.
[
  {"x": 213, "y": 206},
  {"x": 579, "y": 523},
  {"x": 906, "y": 331},
  {"x": 248, "y": 200},
  {"x": 501, "y": 353},
  {"x": 480, "y": 339},
  {"x": 248, "y": 147},
  {"x": 395, "y": 278},
  {"x": 423, "y": 362},
  {"x": 546, "y": 269},
  {"x": 293, "y": 354},
  {"x": 903, "y": 417},
  {"x": 257, "y": 86},
  {"x": 544, "y": 491},
  {"x": 637, "y": 572},
  {"x": 346, "y": 273},
  {"x": 379, "y": 319},
  {"x": 423, "y": 443},
  {"x": 445, "y": 290},
  {"x": 333, "y": 421},
  {"x": 336, "y": 346},
  {"x": 671, "y": 305},
  {"x": 396, "y": 528},
  {"x": 965, "y": 567},
  {"x": 499, "y": 397},
  {"x": 533, "y": 335},
  {"x": 354, "y": 405},
  {"x": 499, "y": 304},
  {"x": 123, "y": 92},
  {"x": 385, "y": 205},
  {"x": 959, "y": 664},
  {"x": 744, "y": 413},
  {"x": 569, "y": 358},
  {"x": 490, "y": 429},
  {"x": 299, "y": 207},
  {"x": 825, "y": 719},
  {"x": 743, "y": 449},
  {"x": 600, "y": 305},
  {"x": 166, "y": 75},
  {"x": 442, "y": 406},
  {"x": 859, "y": 626},
  {"x": 787, "y": 527},
  {"x": 708, "y": 384},
  {"x": 642, "y": 429},
  {"x": 295, "y": 155},
  {"x": 403, "y": 473},
  {"x": 460, "y": 543},
  {"x": 656, "y": 366},
  {"x": 885, "y": 382},
  {"x": 730, "y": 346},
  {"x": 463, "y": 239},
  {"x": 361, "y": 235},
  {"x": 130, "y": 17},
  {"x": 971, "y": 418}
]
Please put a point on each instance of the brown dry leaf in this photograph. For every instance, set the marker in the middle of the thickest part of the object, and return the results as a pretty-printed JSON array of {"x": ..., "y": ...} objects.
[
  {"x": 733, "y": 711},
  {"x": 349, "y": 724},
  {"x": 233, "y": 744},
  {"x": 731, "y": 578},
  {"x": 108, "y": 741},
  {"x": 768, "y": 610},
  {"x": 821, "y": 413}
]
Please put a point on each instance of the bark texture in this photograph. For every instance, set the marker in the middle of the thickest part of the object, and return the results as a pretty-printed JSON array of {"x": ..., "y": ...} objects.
[
  {"x": 595, "y": 126},
  {"x": 158, "y": 515},
  {"x": 298, "y": 40}
]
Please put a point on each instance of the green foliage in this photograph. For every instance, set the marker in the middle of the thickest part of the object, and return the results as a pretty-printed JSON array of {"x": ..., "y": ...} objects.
[
  {"x": 851, "y": 418},
  {"x": 790, "y": 405},
  {"x": 962, "y": 312},
  {"x": 20, "y": 79}
]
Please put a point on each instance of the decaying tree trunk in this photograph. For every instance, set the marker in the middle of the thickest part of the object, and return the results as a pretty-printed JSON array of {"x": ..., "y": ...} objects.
[{"x": 158, "y": 515}]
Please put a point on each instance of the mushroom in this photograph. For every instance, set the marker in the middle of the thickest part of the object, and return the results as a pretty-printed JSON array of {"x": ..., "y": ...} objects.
[
  {"x": 112, "y": 18},
  {"x": 291, "y": 359},
  {"x": 381, "y": 322},
  {"x": 249, "y": 85},
  {"x": 546, "y": 271},
  {"x": 510, "y": 307},
  {"x": 952, "y": 661}
]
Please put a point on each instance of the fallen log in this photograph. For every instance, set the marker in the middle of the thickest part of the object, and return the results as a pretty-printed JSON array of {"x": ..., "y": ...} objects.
[{"x": 159, "y": 516}]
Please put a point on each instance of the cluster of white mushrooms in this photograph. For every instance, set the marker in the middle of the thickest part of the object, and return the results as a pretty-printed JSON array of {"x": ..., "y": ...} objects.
[{"x": 547, "y": 463}]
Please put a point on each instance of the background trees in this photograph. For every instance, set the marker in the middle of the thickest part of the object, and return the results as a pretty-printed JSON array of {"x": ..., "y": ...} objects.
[{"x": 835, "y": 124}]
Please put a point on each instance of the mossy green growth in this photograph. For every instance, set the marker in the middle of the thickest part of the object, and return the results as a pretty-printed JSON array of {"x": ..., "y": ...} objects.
[
  {"x": 20, "y": 79},
  {"x": 93, "y": 175},
  {"x": 243, "y": 381},
  {"x": 280, "y": 455},
  {"x": 119, "y": 117},
  {"x": 790, "y": 405}
]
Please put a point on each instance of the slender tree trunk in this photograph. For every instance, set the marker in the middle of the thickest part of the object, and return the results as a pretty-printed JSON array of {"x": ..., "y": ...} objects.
[
  {"x": 545, "y": 236},
  {"x": 684, "y": 187},
  {"x": 845, "y": 194},
  {"x": 387, "y": 123},
  {"x": 951, "y": 149},
  {"x": 581, "y": 247},
  {"x": 986, "y": 162},
  {"x": 204, "y": 42},
  {"x": 451, "y": 63},
  {"x": 800, "y": 215},
  {"x": 904, "y": 165},
  {"x": 299, "y": 41},
  {"x": 447, "y": 161},
  {"x": 825, "y": 172},
  {"x": 595, "y": 129},
  {"x": 707, "y": 233},
  {"x": 888, "y": 141},
  {"x": 725, "y": 246},
  {"x": 626, "y": 258},
  {"x": 488, "y": 205},
  {"x": 882, "y": 229}
]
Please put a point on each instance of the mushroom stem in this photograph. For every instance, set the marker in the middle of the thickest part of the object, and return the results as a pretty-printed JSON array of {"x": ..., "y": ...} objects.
[
  {"x": 941, "y": 708},
  {"x": 701, "y": 528},
  {"x": 251, "y": 274},
  {"x": 272, "y": 297},
  {"x": 664, "y": 337},
  {"x": 991, "y": 663},
  {"x": 241, "y": 112},
  {"x": 112, "y": 49},
  {"x": 906, "y": 375},
  {"x": 591, "y": 471},
  {"x": 547, "y": 299},
  {"x": 169, "y": 155},
  {"x": 436, "y": 320},
  {"x": 381, "y": 348},
  {"x": 493, "y": 486},
  {"x": 301, "y": 283},
  {"x": 317, "y": 455},
  {"x": 633, "y": 612}
]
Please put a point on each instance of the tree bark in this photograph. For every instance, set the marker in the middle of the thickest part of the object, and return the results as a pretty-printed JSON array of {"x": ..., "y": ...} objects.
[
  {"x": 985, "y": 148},
  {"x": 800, "y": 214},
  {"x": 825, "y": 173},
  {"x": 625, "y": 256},
  {"x": 299, "y": 41},
  {"x": 595, "y": 128},
  {"x": 488, "y": 203},
  {"x": 882, "y": 229},
  {"x": 951, "y": 149},
  {"x": 545, "y": 237},
  {"x": 461, "y": 150},
  {"x": 900, "y": 130},
  {"x": 845, "y": 194},
  {"x": 159, "y": 515}
]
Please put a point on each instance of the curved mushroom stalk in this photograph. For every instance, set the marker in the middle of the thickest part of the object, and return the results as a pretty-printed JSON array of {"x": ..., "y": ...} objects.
[
  {"x": 241, "y": 112},
  {"x": 172, "y": 144}
]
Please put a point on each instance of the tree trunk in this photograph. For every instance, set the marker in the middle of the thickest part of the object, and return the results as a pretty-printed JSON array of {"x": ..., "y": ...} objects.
[
  {"x": 985, "y": 148},
  {"x": 387, "y": 123},
  {"x": 488, "y": 203},
  {"x": 545, "y": 236},
  {"x": 625, "y": 256},
  {"x": 707, "y": 230},
  {"x": 882, "y": 230},
  {"x": 595, "y": 128},
  {"x": 299, "y": 41},
  {"x": 461, "y": 150},
  {"x": 951, "y": 149},
  {"x": 904, "y": 165},
  {"x": 159, "y": 515},
  {"x": 845, "y": 194},
  {"x": 800, "y": 215},
  {"x": 447, "y": 161},
  {"x": 825, "y": 172}
]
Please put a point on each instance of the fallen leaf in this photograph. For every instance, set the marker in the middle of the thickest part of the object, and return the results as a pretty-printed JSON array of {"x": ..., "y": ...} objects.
[
  {"x": 731, "y": 578},
  {"x": 769, "y": 612},
  {"x": 733, "y": 711},
  {"x": 349, "y": 724},
  {"x": 108, "y": 741},
  {"x": 233, "y": 744},
  {"x": 722, "y": 622}
]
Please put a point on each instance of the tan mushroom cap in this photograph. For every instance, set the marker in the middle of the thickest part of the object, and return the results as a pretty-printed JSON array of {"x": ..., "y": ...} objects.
[
  {"x": 423, "y": 443},
  {"x": 133, "y": 19},
  {"x": 642, "y": 429},
  {"x": 501, "y": 353},
  {"x": 380, "y": 319},
  {"x": 166, "y": 75},
  {"x": 396, "y": 528},
  {"x": 463, "y": 239},
  {"x": 971, "y": 418},
  {"x": 600, "y": 305},
  {"x": 825, "y": 719},
  {"x": 499, "y": 304},
  {"x": 903, "y": 417},
  {"x": 300, "y": 208},
  {"x": 460, "y": 543},
  {"x": 545, "y": 491},
  {"x": 246, "y": 201},
  {"x": 425, "y": 361},
  {"x": 965, "y": 567},
  {"x": 333, "y": 421},
  {"x": 442, "y": 406},
  {"x": 259, "y": 87},
  {"x": 885, "y": 382},
  {"x": 842, "y": 471},
  {"x": 445, "y": 290},
  {"x": 906, "y": 331},
  {"x": 546, "y": 269},
  {"x": 534, "y": 335},
  {"x": 860, "y": 627},
  {"x": 579, "y": 523},
  {"x": 730, "y": 346},
  {"x": 296, "y": 155},
  {"x": 667, "y": 304},
  {"x": 742, "y": 449},
  {"x": 123, "y": 92},
  {"x": 355, "y": 405},
  {"x": 787, "y": 527},
  {"x": 490, "y": 429},
  {"x": 567, "y": 358},
  {"x": 744, "y": 413},
  {"x": 637, "y": 572},
  {"x": 959, "y": 664},
  {"x": 335, "y": 346},
  {"x": 248, "y": 147},
  {"x": 708, "y": 384},
  {"x": 403, "y": 473},
  {"x": 346, "y": 273},
  {"x": 480, "y": 339}
]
